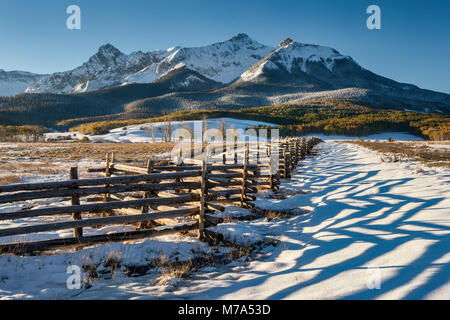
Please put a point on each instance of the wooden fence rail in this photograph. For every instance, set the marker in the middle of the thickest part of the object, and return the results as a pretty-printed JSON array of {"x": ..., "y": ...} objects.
[{"x": 148, "y": 196}]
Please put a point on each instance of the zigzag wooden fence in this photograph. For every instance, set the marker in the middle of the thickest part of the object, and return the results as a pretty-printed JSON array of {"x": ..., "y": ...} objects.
[{"x": 146, "y": 197}]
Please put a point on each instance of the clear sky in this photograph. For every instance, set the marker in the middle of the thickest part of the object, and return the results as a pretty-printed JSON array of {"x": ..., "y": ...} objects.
[{"x": 413, "y": 45}]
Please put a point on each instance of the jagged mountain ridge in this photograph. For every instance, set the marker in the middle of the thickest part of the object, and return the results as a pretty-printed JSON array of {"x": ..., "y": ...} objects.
[
  {"x": 222, "y": 62},
  {"x": 107, "y": 68}
]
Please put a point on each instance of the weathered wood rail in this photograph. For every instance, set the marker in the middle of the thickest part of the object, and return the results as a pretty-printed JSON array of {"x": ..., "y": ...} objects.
[{"x": 150, "y": 197}]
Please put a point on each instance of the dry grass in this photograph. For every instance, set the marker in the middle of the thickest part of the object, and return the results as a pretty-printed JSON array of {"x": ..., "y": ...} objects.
[
  {"x": 182, "y": 269},
  {"x": 14, "y": 171},
  {"x": 398, "y": 151},
  {"x": 270, "y": 215},
  {"x": 178, "y": 270},
  {"x": 238, "y": 252},
  {"x": 42, "y": 159},
  {"x": 78, "y": 151},
  {"x": 170, "y": 269},
  {"x": 39, "y": 168},
  {"x": 10, "y": 179}
]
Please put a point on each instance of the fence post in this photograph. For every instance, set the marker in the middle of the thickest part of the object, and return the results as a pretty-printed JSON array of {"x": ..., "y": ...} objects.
[
  {"x": 292, "y": 154},
  {"x": 75, "y": 200},
  {"x": 257, "y": 151},
  {"x": 235, "y": 150},
  {"x": 150, "y": 169},
  {"x": 289, "y": 152},
  {"x": 244, "y": 174},
  {"x": 107, "y": 166},
  {"x": 180, "y": 163},
  {"x": 201, "y": 221},
  {"x": 149, "y": 165},
  {"x": 303, "y": 148},
  {"x": 295, "y": 152},
  {"x": 107, "y": 173},
  {"x": 269, "y": 154},
  {"x": 224, "y": 151},
  {"x": 146, "y": 194}
]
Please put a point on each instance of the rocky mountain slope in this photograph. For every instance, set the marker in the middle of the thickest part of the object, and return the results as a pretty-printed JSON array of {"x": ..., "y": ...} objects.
[
  {"x": 316, "y": 69},
  {"x": 108, "y": 67},
  {"x": 297, "y": 72},
  {"x": 221, "y": 62},
  {"x": 14, "y": 82}
]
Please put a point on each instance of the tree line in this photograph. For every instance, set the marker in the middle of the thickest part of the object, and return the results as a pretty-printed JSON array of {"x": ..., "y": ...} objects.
[{"x": 336, "y": 117}]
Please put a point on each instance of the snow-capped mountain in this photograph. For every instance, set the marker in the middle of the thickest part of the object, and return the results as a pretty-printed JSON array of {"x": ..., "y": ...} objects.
[
  {"x": 14, "y": 82},
  {"x": 294, "y": 58},
  {"x": 308, "y": 68},
  {"x": 108, "y": 67},
  {"x": 222, "y": 62}
]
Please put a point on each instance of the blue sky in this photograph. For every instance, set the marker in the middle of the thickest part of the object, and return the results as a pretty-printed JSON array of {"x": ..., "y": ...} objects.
[{"x": 413, "y": 45}]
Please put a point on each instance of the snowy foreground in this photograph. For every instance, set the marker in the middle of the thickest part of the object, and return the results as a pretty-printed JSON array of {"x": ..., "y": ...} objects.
[{"x": 374, "y": 230}]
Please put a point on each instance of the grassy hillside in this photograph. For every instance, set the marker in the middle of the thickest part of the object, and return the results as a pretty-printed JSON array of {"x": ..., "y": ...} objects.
[{"x": 330, "y": 117}]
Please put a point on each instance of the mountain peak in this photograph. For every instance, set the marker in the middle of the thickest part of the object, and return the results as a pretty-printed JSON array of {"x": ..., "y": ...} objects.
[
  {"x": 240, "y": 36},
  {"x": 305, "y": 50},
  {"x": 108, "y": 48},
  {"x": 107, "y": 56},
  {"x": 294, "y": 58}
]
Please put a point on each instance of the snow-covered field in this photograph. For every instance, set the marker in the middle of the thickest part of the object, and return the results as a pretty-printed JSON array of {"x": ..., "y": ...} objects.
[
  {"x": 370, "y": 221},
  {"x": 374, "y": 230},
  {"x": 143, "y": 132},
  {"x": 149, "y": 132},
  {"x": 384, "y": 136}
]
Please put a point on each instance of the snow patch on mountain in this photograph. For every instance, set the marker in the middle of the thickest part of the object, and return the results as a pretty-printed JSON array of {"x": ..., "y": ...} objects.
[
  {"x": 146, "y": 75},
  {"x": 252, "y": 73},
  {"x": 188, "y": 81},
  {"x": 15, "y": 82},
  {"x": 347, "y": 93},
  {"x": 222, "y": 62},
  {"x": 295, "y": 56}
]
